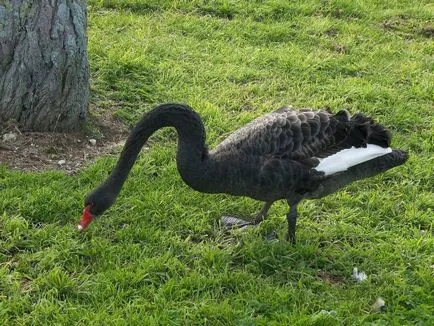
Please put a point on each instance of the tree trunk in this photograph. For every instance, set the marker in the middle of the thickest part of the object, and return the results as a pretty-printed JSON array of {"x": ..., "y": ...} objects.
[{"x": 44, "y": 74}]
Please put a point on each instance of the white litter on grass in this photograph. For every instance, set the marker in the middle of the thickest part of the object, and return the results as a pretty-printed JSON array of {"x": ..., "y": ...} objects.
[
  {"x": 379, "y": 304},
  {"x": 92, "y": 142},
  {"x": 359, "y": 276}
]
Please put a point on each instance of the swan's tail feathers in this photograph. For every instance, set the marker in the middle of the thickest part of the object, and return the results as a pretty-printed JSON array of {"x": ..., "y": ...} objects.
[
  {"x": 346, "y": 158},
  {"x": 378, "y": 135},
  {"x": 358, "y": 139},
  {"x": 360, "y": 171},
  {"x": 349, "y": 131},
  {"x": 372, "y": 132},
  {"x": 380, "y": 164},
  {"x": 359, "y": 130}
]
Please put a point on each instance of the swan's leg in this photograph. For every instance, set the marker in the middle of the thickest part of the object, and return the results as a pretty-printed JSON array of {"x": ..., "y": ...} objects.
[
  {"x": 263, "y": 212},
  {"x": 292, "y": 221}
]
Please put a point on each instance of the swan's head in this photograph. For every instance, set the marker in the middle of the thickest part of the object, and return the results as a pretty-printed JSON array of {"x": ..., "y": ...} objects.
[{"x": 95, "y": 204}]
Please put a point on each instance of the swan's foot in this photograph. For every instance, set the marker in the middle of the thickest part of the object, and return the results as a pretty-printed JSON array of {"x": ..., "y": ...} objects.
[{"x": 231, "y": 222}]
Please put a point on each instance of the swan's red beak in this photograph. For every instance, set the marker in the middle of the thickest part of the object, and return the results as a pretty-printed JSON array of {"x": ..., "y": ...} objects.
[{"x": 86, "y": 218}]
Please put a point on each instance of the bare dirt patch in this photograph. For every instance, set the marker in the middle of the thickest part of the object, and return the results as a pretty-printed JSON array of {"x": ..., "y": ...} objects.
[{"x": 36, "y": 151}]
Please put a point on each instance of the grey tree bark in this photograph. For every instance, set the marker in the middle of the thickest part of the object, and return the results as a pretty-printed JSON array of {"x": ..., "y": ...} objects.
[{"x": 44, "y": 74}]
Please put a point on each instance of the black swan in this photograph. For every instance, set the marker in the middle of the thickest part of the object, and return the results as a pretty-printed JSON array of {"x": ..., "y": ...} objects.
[{"x": 287, "y": 154}]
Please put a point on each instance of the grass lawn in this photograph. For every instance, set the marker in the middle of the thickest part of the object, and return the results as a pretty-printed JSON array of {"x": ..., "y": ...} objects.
[{"x": 159, "y": 255}]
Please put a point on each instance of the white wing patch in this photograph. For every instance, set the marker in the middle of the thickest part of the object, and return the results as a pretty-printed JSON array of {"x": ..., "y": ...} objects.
[{"x": 347, "y": 158}]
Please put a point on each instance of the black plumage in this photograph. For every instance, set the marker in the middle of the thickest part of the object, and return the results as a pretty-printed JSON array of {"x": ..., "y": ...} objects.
[{"x": 271, "y": 158}]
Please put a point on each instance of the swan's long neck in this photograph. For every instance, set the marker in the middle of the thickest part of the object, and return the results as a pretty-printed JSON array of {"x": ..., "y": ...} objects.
[{"x": 191, "y": 154}]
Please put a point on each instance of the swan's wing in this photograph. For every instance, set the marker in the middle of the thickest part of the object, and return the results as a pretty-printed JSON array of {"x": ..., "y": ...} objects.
[
  {"x": 304, "y": 135},
  {"x": 285, "y": 133}
]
